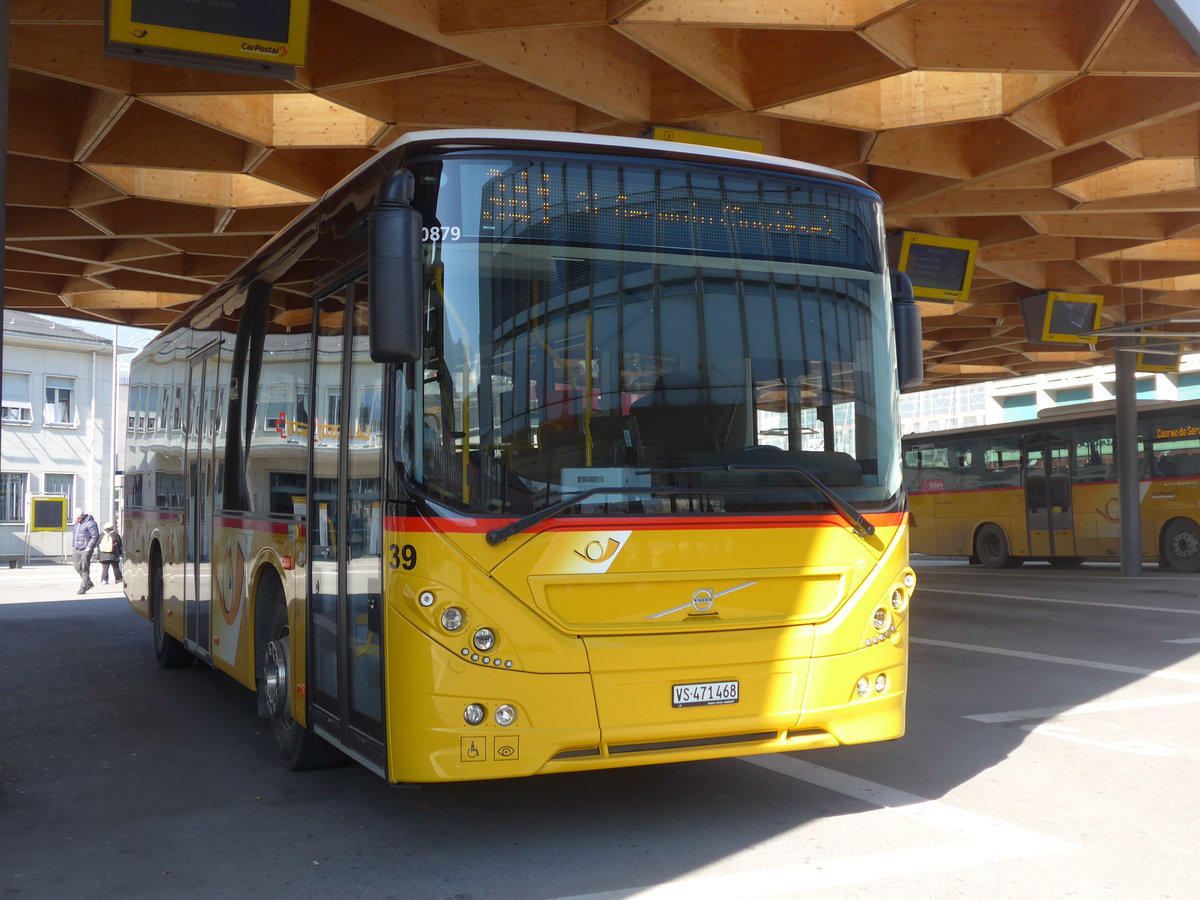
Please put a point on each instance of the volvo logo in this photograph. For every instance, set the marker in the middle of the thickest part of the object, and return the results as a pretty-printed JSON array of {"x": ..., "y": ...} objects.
[{"x": 702, "y": 601}]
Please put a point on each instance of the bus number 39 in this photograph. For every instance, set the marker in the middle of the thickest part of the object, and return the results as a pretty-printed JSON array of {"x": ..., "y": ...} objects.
[
  {"x": 403, "y": 557},
  {"x": 444, "y": 233}
]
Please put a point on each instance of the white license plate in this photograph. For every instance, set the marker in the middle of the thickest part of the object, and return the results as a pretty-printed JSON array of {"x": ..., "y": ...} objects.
[{"x": 705, "y": 693}]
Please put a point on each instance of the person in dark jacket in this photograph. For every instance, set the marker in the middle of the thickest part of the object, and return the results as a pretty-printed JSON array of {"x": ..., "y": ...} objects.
[
  {"x": 111, "y": 551},
  {"x": 84, "y": 540}
]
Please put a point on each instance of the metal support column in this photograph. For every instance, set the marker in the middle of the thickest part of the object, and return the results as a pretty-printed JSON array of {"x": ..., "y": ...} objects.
[{"x": 1128, "y": 490}]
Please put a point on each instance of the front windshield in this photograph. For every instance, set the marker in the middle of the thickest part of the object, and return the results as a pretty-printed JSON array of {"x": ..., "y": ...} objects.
[{"x": 629, "y": 324}]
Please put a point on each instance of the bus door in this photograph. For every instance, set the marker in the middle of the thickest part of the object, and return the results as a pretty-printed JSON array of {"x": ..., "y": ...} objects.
[
  {"x": 1049, "y": 516},
  {"x": 345, "y": 532},
  {"x": 201, "y": 439}
]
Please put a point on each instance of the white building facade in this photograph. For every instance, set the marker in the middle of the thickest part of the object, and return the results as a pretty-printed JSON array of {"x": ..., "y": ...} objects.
[
  {"x": 58, "y": 430},
  {"x": 1017, "y": 399}
]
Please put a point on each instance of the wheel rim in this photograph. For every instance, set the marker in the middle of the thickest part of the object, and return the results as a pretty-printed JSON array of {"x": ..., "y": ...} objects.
[
  {"x": 1186, "y": 544},
  {"x": 275, "y": 677},
  {"x": 991, "y": 545}
]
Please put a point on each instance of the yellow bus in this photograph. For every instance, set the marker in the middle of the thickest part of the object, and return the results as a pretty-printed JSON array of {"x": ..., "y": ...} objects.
[
  {"x": 1046, "y": 489},
  {"x": 525, "y": 452}
]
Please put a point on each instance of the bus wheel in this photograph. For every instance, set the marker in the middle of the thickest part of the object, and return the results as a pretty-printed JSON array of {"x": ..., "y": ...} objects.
[
  {"x": 300, "y": 748},
  {"x": 1181, "y": 545},
  {"x": 991, "y": 546},
  {"x": 170, "y": 653}
]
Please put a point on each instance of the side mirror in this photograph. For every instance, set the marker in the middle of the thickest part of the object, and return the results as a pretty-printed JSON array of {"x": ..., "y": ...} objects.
[
  {"x": 395, "y": 273},
  {"x": 906, "y": 315}
]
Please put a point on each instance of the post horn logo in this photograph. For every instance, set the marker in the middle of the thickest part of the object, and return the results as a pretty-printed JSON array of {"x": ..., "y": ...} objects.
[{"x": 595, "y": 552}]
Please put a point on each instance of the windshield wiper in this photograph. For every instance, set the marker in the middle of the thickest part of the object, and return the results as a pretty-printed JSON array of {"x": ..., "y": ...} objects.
[
  {"x": 862, "y": 527},
  {"x": 499, "y": 535}
]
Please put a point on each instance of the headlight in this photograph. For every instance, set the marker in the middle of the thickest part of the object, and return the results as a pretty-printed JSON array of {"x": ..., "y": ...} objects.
[
  {"x": 897, "y": 599},
  {"x": 453, "y": 618},
  {"x": 863, "y": 687},
  {"x": 474, "y": 714},
  {"x": 881, "y": 683},
  {"x": 880, "y": 619},
  {"x": 426, "y": 598},
  {"x": 910, "y": 580},
  {"x": 505, "y": 715},
  {"x": 484, "y": 640}
]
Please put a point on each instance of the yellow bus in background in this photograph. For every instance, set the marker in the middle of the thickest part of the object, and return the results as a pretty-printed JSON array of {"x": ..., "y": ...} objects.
[
  {"x": 524, "y": 453},
  {"x": 1046, "y": 489}
]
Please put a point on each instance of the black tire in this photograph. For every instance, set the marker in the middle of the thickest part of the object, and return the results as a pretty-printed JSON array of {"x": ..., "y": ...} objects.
[
  {"x": 299, "y": 748},
  {"x": 168, "y": 650},
  {"x": 1067, "y": 562},
  {"x": 991, "y": 548},
  {"x": 1181, "y": 545}
]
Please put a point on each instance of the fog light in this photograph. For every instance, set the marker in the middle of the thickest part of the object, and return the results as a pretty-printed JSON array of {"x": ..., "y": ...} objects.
[
  {"x": 474, "y": 714},
  {"x": 426, "y": 598},
  {"x": 505, "y": 715},
  {"x": 863, "y": 687},
  {"x": 453, "y": 618},
  {"x": 880, "y": 683},
  {"x": 485, "y": 639},
  {"x": 880, "y": 619}
]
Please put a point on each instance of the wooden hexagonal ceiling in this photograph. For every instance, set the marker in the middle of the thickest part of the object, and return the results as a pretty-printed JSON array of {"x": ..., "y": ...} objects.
[{"x": 1064, "y": 135}]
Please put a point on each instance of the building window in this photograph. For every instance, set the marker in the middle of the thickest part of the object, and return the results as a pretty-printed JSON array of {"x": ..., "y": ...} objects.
[
  {"x": 275, "y": 408},
  {"x": 59, "y": 486},
  {"x": 60, "y": 400},
  {"x": 12, "y": 497},
  {"x": 16, "y": 406}
]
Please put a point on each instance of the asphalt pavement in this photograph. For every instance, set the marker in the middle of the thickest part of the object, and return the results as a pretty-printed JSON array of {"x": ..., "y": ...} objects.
[{"x": 1052, "y": 747}]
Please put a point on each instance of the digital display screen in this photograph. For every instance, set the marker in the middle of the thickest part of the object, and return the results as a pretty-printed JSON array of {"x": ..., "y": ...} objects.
[
  {"x": 1072, "y": 316},
  {"x": 618, "y": 205},
  {"x": 942, "y": 268},
  {"x": 263, "y": 20}
]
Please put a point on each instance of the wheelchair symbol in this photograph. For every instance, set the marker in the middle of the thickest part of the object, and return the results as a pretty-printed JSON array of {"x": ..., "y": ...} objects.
[{"x": 473, "y": 749}]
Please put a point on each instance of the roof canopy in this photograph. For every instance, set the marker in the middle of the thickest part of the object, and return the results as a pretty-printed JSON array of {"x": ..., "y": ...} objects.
[{"x": 1064, "y": 135}]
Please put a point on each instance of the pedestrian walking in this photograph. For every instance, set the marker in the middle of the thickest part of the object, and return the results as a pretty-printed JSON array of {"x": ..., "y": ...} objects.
[
  {"x": 84, "y": 540},
  {"x": 111, "y": 550}
]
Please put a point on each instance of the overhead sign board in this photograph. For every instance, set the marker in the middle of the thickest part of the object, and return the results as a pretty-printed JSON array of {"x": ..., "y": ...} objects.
[
  {"x": 704, "y": 139},
  {"x": 1059, "y": 317},
  {"x": 255, "y": 37},
  {"x": 939, "y": 267},
  {"x": 1159, "y": 354}
]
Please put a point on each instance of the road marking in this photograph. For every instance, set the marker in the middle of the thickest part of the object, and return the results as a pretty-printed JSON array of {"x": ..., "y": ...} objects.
[
  {"x": 1167, "y": 674},
  {"x": 1054, "y": 712},
  {"x": 1133, "y": 606},
  {"x": 985, "y": 840},
  {"x": 1195, "y": 640},
  {"x": 1141, "y": 748}
]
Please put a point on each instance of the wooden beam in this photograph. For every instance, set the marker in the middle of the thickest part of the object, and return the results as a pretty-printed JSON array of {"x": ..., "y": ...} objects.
[
  {"x": 474, "y": 16},
  {"x": 147, "y": 136},
  {"x": 69, "y": 52},
  {"x": 348, "y": 48},
  {"x": 594, "y": 66},
  {"x": 1144, "y": 43}
]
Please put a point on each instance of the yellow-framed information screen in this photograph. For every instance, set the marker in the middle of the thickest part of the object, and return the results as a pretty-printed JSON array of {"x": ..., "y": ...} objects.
[
  {"x": 939, "y": 267},
  {"x": 1161, "y": 354},
  {"x": 268, "y": 37},
  {"x": 1059, "y": 317},
  {"x": 48, "y": 513}
]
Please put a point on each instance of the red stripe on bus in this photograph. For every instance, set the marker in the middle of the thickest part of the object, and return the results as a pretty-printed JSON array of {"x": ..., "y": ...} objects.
[{"x": 482, "y": 526}]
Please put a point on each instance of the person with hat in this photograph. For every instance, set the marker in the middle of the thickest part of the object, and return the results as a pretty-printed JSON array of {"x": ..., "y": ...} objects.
[
  {"x": 85, "y": 537},
  {"x": 111, "y": 551}
]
